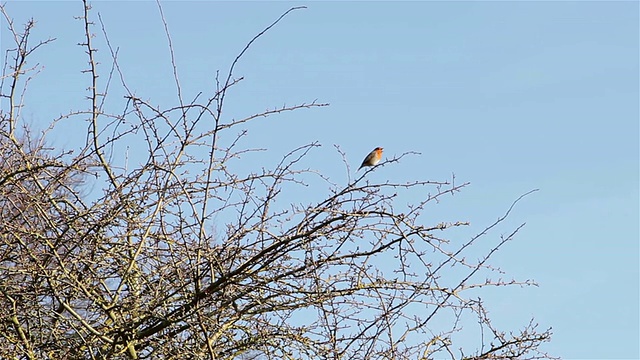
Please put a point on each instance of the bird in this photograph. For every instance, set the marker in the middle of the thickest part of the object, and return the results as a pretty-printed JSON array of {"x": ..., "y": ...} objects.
[{"x": 372, "y": 159}]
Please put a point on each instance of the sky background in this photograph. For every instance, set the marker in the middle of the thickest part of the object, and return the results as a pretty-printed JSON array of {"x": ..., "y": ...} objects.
[{"x": 510, "y": 96}]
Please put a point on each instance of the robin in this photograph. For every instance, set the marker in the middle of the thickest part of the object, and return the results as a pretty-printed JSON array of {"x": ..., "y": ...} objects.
[{"x": 373, "y": 158}]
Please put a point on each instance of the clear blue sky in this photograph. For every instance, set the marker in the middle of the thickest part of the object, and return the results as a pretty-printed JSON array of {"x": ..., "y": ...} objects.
[{"x": 510, "y": 96}]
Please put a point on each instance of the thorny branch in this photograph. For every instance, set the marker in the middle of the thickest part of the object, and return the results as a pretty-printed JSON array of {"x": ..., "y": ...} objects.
[{"x": 181, "y": 256}]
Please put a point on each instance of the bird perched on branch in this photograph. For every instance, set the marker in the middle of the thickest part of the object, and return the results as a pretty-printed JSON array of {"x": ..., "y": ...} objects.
[{"x": 372, "y": 159}]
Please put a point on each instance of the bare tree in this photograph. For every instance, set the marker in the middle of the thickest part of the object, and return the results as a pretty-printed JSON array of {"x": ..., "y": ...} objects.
[{"x": 181, "y": 257}]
